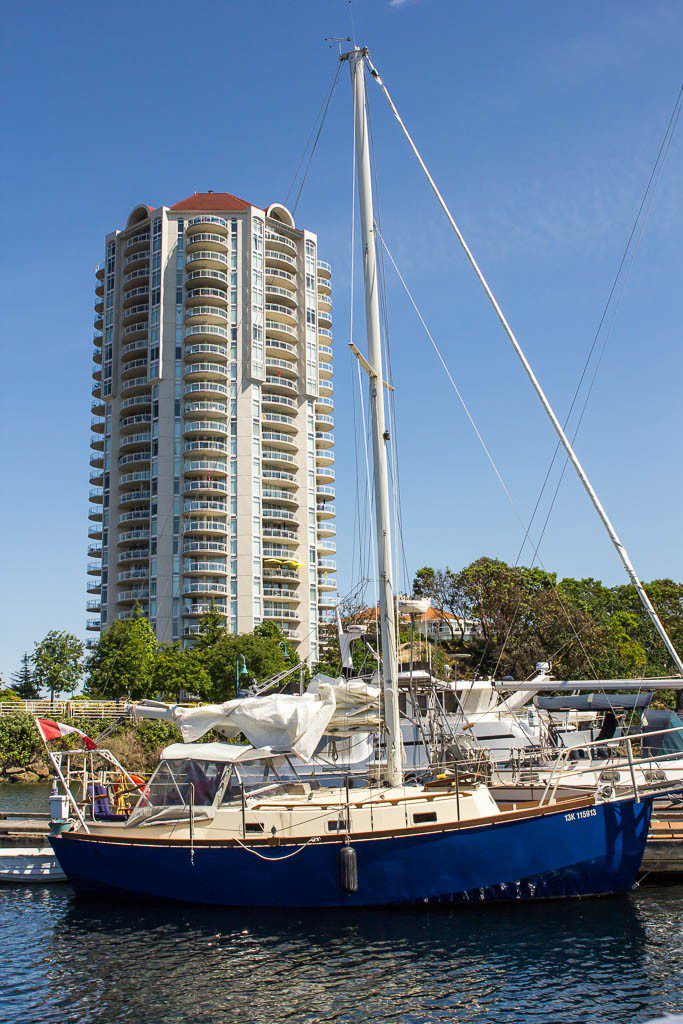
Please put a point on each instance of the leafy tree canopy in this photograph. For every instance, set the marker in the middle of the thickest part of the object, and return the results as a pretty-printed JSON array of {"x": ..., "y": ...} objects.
[{"x": 58, "y": 662}]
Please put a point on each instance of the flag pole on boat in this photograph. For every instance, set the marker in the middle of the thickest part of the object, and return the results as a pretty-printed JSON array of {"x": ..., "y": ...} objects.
[
  {"x": 557, "y": 426},
  {"x": 380, "y": 435}
]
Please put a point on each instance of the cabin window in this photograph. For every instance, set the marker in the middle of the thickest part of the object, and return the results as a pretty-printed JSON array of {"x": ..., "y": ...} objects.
[
  {"x": 423, "y": 817},
  {"x": 254, "y": 826}
]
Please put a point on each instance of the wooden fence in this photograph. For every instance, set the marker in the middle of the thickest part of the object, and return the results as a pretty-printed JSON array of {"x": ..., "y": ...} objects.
[{"x": 67, "y": 710}]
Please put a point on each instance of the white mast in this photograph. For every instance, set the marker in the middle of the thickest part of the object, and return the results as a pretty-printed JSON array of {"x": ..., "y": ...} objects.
[
  {"x": 380, "y": 436},
  {"x": 535, "y": 383}
]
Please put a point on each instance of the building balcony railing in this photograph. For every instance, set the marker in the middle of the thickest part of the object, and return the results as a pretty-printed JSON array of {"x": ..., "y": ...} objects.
[
  {"x": 218, "y": 297},
  {"x": 284, "y": 295},
  {"x": 192, "y": 566},
  {"x": 210, "y": 486},
  {"x": 278, "y": 494},
  {"x": 201, "y": 505},
  {"x": 198, "y": 223},
  {"x": 205, "y": 387},
  {"x": 205, "y": 526},
  {"x": 203, "y": 546},
  {"x": 206, "y": 274},
  {"x": 206, "y": 259},
  {"x": 209, "y": 586},
  {"x": 274, "y": 256},
  {"x": 211, "y": 241},
  {"x": 276, "y": 437},
  {"x": 210, "y": 446},
  {"x": 206, "y": 466},
  {"x": 324, "y": 269},
  {"x": 280, "y": 277},
  {"x": 206, "y": 349}
]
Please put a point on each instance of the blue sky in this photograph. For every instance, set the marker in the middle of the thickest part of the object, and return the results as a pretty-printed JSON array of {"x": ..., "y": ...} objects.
[{"x": 540, "y": 122}]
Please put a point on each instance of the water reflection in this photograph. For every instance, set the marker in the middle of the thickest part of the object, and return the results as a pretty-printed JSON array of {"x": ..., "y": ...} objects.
[{"x": 598, "y": 960}]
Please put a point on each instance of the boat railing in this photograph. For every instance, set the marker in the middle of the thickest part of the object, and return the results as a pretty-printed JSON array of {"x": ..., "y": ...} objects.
[{"x": 561, "y": 770}]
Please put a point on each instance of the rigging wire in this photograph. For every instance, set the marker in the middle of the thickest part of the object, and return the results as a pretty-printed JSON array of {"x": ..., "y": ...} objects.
[
  {"x": 319, "y": 121},
  {"x": 585, "y": 481},
  {"x": 474, "y": 426}
]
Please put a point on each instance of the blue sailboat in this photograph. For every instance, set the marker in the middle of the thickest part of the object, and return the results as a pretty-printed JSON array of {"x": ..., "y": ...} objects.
[{"x": 260, "y": 826}]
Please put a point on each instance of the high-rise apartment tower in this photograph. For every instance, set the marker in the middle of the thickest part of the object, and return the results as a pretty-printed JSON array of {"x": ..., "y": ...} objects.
[{"x": 212, "y": 450}]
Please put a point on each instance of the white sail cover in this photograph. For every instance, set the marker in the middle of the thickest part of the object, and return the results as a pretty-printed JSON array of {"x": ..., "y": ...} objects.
[{"x": 282, "y": 722}]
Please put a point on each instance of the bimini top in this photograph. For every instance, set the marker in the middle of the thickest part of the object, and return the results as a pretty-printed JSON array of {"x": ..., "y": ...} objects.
[{"x": 226, "y": 753}]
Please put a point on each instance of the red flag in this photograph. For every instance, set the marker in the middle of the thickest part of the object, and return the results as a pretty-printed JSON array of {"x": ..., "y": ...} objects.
[{"x": 50, "y": 730}]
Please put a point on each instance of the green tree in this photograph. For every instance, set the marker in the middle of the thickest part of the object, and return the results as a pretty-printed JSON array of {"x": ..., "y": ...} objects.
[
  {"x": 211, "y": 630},
  {"x": 122, "y": 663},
  {"x": 19, "y": 741},
  {"x": 176, "y": 669},
  {"x": 58, "y": 662},
  {"x": 24, "y": 683},
  {"x": 264, "y": 657}
]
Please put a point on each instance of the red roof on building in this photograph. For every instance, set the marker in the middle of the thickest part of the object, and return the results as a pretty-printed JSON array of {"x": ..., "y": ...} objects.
[{"x": 211, "y": 201}]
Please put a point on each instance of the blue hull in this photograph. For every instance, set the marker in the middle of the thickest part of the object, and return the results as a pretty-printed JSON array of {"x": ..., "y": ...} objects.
[{"x": 559, "y": 854}]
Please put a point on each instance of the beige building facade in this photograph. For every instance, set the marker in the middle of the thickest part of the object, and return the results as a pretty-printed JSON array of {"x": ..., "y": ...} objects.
[{"x": 212, "y": 446}]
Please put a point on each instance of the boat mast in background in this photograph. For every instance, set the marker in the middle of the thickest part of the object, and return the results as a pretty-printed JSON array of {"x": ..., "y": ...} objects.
[
  {"x": 535, "y": 383},
  {"x": 380, "y": 436}
]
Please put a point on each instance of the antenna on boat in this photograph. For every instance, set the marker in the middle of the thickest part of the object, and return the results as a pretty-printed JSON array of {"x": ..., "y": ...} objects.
[{"x": 380, "y": 435}]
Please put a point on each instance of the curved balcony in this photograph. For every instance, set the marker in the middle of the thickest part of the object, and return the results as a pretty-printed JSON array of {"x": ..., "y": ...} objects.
[
  {"x": 136, "y": 330},
  {"x": 138, "y": 241},
  {"x": 134, "y": 457},
  {"x": 280, "y": 593},
  {"x": 96, "y": 495},
  {"x": 323, "y": 492},
  {"x": 210, "y": 331},
  {"x": 207, "y": 350},
  {"x": 134, "y": 384},
  {"x": 206, "y": 259},
  {"x": 93, "y": 586},
  {"x": 324, "y": 474},
  {"x": 206, "y": 466},
  {"x": 133, "y": 555},
  {"x": 206, "y": 276},
  {"x": 97, "y": 342},
  {"x": 325, "y": 405},
  {"x": 97, "y": 407},
  {"x": 137, "y": 594},
  {"x": 272, "y": 611},
  {"x": 276, "y": 513},
  {"x": 279, "y": 440},
  {"x": 95, "y": 515},
  {"x": 324, "y": 270},
  {"x": 132, "y": 574},
  {"x": 280, "y": 241},
  {"x": 280, "y": 367},
  {"x": 214, "y": 297},
  {"x": 276, "y": 329},
  {"x": 280, "y": 278},
  {"x": 97, "y": 425},
  {"x": 324, "y": 286},
  {"x": 324, "y": 302},
  {"x": 276, "y": 258},
  {"x": 96, "y": 390},
  {"x": 278, "y": 421},
  {"x": 328, "y": 585},
  {"x": 324, "y": 321},
  {"x": 136, "y": 402},
  {"x": 327, "y": 547},
  {"x": 136, "y": 515},
  {"x": 276, "y": 533},
  {"x": 208, "y": 241},
  {"x": 210, "y": 427},
  {"x": 325, "y": 333},
  {"x": 283, "y": 296},
  {"x": 279, "y": 403},
  {"x": 93, "y": 606},
  {"x": 208, "y": 371},
  {"x": 131, "y": 369},
  {"x": 97, "y": 460},
  {"x": 279, "y": 477},
  {"x": 278, "y": 554},
  {"x": 281, "y": 349},
  {"x": 286, "y": 572},
  {"x": 210, "y": 526},
  {"x": 204, "y": 546},
  {"x": 209, "y": 314},
  {"x": 135, "y": 277},
  {"x": 198, "y": 223},
  {"x": 136, "y": 261},
  {"x": 325, "y": 353},
  {"x": 127, "y": 498},
  {"x": 95, "y": 550},
  {"x": 205, "y": 486},
  {"x": 326, "y": 529},
  {"x": 96, "y": 479},
  {"x": 134, "y": 478},
  {"x": 94, "y": 569},
  {"x": 139, "y": 311},
  {"x": 132, "y": 348},
  {"x": 134, "y": 295},
  {"x": 98, "y": 322},
  {"x": 193, "y": 566},
  {"x": 128, "y": 442},
  {"x": 273, "y": 456},
  {"x": 97, "y": 443},
  {"x": 323, "y": 422},
  {"x": 327, "y": 565},
  {"x": 198, "y": 506},
  {"x": 199, "y": 408},
  {"x": 95, "y": 532},
  {"x": 324, "y": 457},
  {"x": 279, "y": 385},
  {"x": 97, "y": 376},
  {"x": 325, "y": 371},
  {"x": 94, "y": 625},
  {"x": 278, "y": 313},
  {"x": 127, "y": 423},
  {"x": 276, "y": 493},
  {"x": 205, "y": 388},
  {"x": 205, "y": 446}
]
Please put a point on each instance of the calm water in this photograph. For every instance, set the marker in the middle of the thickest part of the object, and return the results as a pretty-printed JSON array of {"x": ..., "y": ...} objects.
[{"x": 618, "y": 960}]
